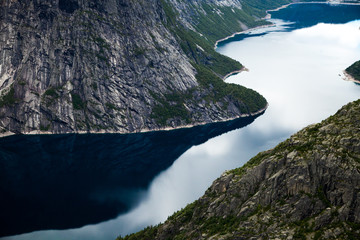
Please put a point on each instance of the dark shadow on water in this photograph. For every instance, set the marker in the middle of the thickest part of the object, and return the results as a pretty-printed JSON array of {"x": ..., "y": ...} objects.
[{"x": 68, "y": 181}]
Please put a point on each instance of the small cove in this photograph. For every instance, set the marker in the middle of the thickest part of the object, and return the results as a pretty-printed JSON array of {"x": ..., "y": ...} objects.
[{"x": 297, "y": 67}]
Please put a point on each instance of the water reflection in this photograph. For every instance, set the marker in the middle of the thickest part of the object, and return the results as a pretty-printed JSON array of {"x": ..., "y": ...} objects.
[
  {"x": 308, "y": 15},
  {"x": 299, "y": 16},
  {"x": 278, "y": 26},
  {"x": 67, "y": 181},
  {"x": 298, "y": 73}
]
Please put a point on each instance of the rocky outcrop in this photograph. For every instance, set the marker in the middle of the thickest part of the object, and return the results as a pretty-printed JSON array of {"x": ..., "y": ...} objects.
[
  {"x": 215, "y": 20},
  {"x": 307, "y": 187},
  {"x": 111, "y": 66},
  {"x": 353, "y": 72}
]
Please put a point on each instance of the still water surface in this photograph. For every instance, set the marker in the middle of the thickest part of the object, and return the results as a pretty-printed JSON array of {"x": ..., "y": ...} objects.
[{"x": 297, "y": 67}]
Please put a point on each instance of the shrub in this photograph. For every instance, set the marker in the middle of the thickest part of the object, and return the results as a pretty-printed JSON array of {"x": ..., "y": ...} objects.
[
  {"x": 8, "y": 99},
  {"x": 77, "y": 102}
]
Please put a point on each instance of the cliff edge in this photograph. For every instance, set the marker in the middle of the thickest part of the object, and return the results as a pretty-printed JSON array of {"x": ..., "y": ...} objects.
[
  {"x": 307, "y": 187},
  {"x": 120, "y": 66}
]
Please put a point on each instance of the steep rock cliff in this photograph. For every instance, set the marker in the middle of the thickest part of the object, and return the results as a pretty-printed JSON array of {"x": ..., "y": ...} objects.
[
  {"x": 112, "y": 66},
  {"x": 308, "y": 187},
  {"x": 218, "y": 19}
]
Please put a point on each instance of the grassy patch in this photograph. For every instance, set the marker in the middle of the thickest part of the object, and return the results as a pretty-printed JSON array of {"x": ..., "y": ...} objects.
[
  {"x": 224, "y": 22},
  {"x": 185, "y": 214},
  {"x": 44, "y": 128},
  {"x": 8, "y": 99},
  {"x": 50, "y": 95},
  {"x": 170, "y": 106},
  {"x": 147, "y": 233},
  {"x": 165, "y": 111},
  {"x": 78, "y": 103},
  {"x": 111, "y": 106},
  {"x": 250, "y": 100},
  {"x": 190, "y": 42},
  {"x": 220, "y": 225},
  {"x": 51, "y": 92},
  {"x": 321, "y": 195},
  {"x": 251, "y": 163}
]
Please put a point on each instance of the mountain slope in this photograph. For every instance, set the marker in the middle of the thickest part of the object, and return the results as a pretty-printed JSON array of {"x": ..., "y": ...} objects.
[
  {"x": 120, "y": 65},
  {"x": 354, "y": 70},
  {"x": 308, "y": 187}
]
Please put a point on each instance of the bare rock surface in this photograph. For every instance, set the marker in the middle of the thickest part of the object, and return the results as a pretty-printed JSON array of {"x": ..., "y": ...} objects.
[
  {"x": 308, "y": 187},
  {"x": 103, "y": 66}
]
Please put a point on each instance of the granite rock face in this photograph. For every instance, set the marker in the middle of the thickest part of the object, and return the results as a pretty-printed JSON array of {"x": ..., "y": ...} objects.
[
  {"x": 100, "y": 66},
  {"x": 307, "y": 187}
]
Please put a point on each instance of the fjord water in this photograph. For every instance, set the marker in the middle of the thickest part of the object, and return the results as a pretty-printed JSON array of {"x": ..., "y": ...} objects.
[
  {"x": 296, "y": 64},
  {"x": 68, "y": 181}
]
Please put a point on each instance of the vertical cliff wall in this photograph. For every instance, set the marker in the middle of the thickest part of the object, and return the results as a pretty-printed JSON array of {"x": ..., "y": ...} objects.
[{"x": 113, "y": 66}]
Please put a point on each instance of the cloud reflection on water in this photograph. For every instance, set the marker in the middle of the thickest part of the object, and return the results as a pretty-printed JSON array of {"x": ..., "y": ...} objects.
[{"x": 301, "y": 91}]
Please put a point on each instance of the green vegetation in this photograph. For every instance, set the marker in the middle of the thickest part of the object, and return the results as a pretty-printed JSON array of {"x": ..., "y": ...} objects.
[
  {"x": 185, "y": 214},
  {"x": 217, "y": 22},
  {"x": 94, "y": 86},
  {"x": 78, "y": 103},
  {"x": 220, "y": 225},
  {"x": 171, "y": 106},
  {"x": 230, "y": 209},
  {"x": 215, "y": 26},
  {"x": 205, "y": 55},
  {"x": 209, "y": 64},
  {"x": 258, "y": 7},
  {"x": 168, "y": 111},
  {"x": 321, "y": 195},
  {"x": 251, "y": 163},
  {"x": 8, "y": 99},
  {"x": 139, "y": 51},
  {"x": 51, "y": 92},
  {"x": 253, "y": 101},
  {"x": 101, "y": 42},
  {"x": 22, "y": 82},
  {"x": 182, "y": 216},
  {"x": 44, "y": 128},
  {"x": 147, "y": 233},
  {"x": 199, "y": 48},
  {"x": 354, "y": 70},
  {"x": 51, "y": 95},
  {"x": 111, "y": 106}
]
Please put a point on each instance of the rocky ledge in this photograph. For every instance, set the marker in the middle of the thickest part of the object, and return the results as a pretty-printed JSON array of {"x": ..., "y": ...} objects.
[{"x": 307, "y": 187}]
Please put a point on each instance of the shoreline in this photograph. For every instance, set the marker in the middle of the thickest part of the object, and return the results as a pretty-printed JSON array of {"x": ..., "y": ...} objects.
[
  {"x": 244, "y": 69},
  {"x": 253, "y": 114},
  {"x": 348, "y": 77},
  {"x": 268, "y": 16},
  {"x": 241, "y": 32},
  {"x": 38, "y": 132}
]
